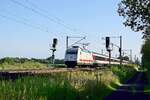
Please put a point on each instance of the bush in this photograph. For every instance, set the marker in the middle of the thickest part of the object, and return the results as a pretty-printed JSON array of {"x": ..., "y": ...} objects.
[{"x": 123, "y": 72}]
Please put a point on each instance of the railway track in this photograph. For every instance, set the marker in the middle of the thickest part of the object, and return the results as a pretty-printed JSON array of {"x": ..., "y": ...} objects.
[
  {"x": 14, "y": 74},
  {"x": 46, "y": 70},
  {"x": 49, "y": 70}
]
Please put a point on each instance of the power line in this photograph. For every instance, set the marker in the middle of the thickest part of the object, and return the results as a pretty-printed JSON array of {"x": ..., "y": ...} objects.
[
  {"x": 25, "y": 20},
  {"x": 44, "y": 15},
  {"x": 22, "y": 22},
  {"x": 42, "y": 10},
  {"x": 52, "y": 16}
]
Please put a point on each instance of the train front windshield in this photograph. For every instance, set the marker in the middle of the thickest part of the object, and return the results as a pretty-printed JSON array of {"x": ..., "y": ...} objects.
[
  {"x": 71, "y": 55},
  {"x": 71, "y": 58},
  {"x": 71, "y": 52}
]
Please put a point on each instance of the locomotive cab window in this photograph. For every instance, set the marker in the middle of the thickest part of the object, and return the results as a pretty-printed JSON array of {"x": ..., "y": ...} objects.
[{"x": 72, "y": 52}]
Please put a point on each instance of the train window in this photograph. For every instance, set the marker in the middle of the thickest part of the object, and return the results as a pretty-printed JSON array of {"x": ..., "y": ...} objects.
[
  {"x": 117, "y": 60},
  {"x": 99, "y": 58},
  {"x": 113, "y": 60},
  {"x": 110, "y": 59},
  {"x": 72, "y": 52}
]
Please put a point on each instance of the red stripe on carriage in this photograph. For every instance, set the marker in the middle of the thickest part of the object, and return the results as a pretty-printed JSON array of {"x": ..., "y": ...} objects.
[{"x": 86, "y": 60}]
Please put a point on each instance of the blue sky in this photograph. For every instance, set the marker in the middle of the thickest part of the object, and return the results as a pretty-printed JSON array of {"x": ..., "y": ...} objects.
[{"x": 25, "y": 33}]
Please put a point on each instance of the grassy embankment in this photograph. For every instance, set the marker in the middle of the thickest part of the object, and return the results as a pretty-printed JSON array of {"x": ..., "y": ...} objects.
[{"x": 67, "y": 85}]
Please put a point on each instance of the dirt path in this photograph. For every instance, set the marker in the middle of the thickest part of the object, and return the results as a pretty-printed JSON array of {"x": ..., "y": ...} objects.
[{"x": 132, "y": 89}]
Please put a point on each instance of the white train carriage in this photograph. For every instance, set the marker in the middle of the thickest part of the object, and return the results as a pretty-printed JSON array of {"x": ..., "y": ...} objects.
[{"x": 76, "y": 56}]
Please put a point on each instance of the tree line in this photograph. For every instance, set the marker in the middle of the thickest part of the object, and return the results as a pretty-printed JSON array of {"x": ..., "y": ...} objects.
[
  {"x": 11, "y": 60},
  {"x": 137, "y": 16}
]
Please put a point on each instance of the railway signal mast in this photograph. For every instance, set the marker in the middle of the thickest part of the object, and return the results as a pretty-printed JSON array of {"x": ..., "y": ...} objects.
[
  {"x": 108, "y": 48},
  {"x": 53, "y": 48},
  {"x": 120, "y": 50}
]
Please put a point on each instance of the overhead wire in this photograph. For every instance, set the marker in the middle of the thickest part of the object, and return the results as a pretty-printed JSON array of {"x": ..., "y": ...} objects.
[
  {"x": 52, "y": 16},
  {"x": 23, "y": 22},
  {"x": 44, "y": 15},
  {"x": 43, "y": 10},
  {"x": 22, "y": 18},
  {"x": 55, "y": 18}
]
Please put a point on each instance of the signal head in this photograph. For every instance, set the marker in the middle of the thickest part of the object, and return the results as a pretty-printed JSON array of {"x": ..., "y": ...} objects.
[
  {"x": 55, "y": 41},
  {"x": 107, "y": 42}
]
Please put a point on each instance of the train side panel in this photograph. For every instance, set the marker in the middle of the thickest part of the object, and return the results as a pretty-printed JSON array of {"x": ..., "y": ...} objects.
[{"x": 85, "y": 58}]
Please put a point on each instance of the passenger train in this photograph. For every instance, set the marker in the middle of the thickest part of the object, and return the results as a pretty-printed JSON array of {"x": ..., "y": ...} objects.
[{"x": 76, "y": 56}]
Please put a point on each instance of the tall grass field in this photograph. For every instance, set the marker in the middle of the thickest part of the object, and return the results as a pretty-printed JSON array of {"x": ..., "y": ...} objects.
[{"x": 80, "y": 85}]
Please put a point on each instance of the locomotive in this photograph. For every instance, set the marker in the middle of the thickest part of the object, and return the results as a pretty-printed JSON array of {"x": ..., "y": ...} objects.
[{"x": 76, "y": 56}]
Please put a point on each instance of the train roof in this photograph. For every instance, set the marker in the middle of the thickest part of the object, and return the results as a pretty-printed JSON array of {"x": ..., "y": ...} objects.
[{"x": 85, "y": 50}]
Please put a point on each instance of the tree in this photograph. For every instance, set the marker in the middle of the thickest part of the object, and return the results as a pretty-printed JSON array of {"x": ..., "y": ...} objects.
[
  {"x": 146, "y": 49},
  {"x": 137, "y": 15},
  {"x": 59, "y": 61},
  {"x": 146, "y": 53}
]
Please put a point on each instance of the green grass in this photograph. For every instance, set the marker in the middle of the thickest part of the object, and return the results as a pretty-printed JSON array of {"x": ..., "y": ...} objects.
[
  {"x": 25, "y": 65},
  {"x": 82, "y": 85},
  {"x": 124, "y": 72},
  {"x": 28, "y": 65},
  {"x": 147, "y": 89},
  {"x": 57, "y": 65}
]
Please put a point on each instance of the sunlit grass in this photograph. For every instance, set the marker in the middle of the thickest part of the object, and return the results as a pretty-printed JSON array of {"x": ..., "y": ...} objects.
[
  {"x": 83, "y": 85},
  {"x": 25, "y": 65}
]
